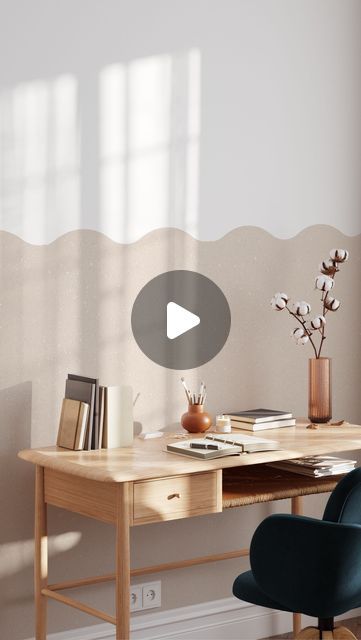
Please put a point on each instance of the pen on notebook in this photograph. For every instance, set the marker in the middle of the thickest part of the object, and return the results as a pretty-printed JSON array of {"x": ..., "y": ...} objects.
[{"x": 198, "y": 445}]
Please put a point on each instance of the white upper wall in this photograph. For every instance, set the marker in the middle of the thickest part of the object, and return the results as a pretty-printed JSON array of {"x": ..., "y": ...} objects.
[{"x": 126, "y": 116}]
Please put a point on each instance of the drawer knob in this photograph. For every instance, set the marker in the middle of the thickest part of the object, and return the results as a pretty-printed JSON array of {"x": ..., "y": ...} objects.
[{"x": 174, "y": 495}]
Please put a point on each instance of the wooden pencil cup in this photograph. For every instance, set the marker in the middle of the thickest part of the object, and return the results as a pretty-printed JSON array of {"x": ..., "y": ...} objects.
[{"x": 196, "y": 420}]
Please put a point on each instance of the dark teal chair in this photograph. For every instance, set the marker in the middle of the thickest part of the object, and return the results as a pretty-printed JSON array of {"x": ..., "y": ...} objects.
[{"x": 310, "y": 566}]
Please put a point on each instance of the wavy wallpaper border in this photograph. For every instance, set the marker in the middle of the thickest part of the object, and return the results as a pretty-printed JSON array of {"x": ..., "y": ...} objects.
[{"x": 170, "y": 229}]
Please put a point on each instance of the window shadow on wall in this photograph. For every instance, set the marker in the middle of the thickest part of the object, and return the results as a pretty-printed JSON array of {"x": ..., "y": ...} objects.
[{"x": 115, "y": 151}]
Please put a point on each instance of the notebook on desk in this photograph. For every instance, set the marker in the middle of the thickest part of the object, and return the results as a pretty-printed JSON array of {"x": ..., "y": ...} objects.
[{"x": 227, "y": 445}]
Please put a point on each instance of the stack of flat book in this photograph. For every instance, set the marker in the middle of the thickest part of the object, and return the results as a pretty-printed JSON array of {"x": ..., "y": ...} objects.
[
  {"x": 316, "y": 466},
  {"x": 94, "y": 416},
  {"x": 261, "y": 419},
  {"x": 218, "y": 445}
]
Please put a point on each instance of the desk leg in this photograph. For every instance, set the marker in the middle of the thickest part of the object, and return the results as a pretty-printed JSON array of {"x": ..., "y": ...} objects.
[
  {"x": 297, "y": 510},
  {"x": 122, "y": 564},
  {"x": 40, "y": 555}
]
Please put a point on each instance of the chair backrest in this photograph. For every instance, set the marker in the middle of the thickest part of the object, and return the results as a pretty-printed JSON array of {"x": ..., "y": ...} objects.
[{"x": 344, "y": 503}]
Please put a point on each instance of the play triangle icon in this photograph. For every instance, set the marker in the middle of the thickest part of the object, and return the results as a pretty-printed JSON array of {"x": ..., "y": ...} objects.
[{"x": 179, "y": 320}]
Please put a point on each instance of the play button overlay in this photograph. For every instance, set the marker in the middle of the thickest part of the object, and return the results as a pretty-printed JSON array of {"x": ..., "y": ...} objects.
[{"x": 181, "y": 319}]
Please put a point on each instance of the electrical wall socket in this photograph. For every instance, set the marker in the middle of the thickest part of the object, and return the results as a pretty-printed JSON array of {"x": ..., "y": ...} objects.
[
  {"x": 152, "y": 595},
  {"x": 145, "y": 596},
  {"x": 136, "y": 597}
]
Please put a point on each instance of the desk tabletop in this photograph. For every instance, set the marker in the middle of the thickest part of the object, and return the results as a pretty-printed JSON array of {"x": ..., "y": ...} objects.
[{"x": 148, "y": 459}]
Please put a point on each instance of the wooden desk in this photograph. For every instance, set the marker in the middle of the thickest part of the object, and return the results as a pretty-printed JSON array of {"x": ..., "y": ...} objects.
[{"x": 144, "y": 484}]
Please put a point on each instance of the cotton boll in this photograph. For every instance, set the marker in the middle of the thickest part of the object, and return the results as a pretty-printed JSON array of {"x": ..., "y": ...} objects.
[
  {"x": 332, "y": 304},
  {"x": 278, "y": 304},
  {"x": 327, "y": 267},
  {"x": 301, "y": 308},
  {"x": 283, "y": 296},
  {"x": 300, "y": 336},
  {"x": 318, "y": 322},
  {"x": 304, "y": 309},
  {"x": 339, "y": 255},
  {"x": 297, "y": 333},
  {"x": 324, "y": 283}
]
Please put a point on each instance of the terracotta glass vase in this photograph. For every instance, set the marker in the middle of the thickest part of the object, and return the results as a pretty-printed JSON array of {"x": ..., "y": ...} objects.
[
  {"x": 196, "y": 420},
  {"x": 319, "y": 390}
]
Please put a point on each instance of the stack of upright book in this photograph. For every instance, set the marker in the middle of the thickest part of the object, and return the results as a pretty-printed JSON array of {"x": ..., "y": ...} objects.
[
  {"x": 94, "y": 416},
  {"x": 261, "y": 419}
]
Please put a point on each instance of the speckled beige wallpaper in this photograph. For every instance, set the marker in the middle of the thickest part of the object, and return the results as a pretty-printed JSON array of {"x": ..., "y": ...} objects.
[{"x": 65, "y": 307}]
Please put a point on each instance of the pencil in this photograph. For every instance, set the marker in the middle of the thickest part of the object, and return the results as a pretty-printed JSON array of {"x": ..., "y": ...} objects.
[{"x": 187, "y": 392}]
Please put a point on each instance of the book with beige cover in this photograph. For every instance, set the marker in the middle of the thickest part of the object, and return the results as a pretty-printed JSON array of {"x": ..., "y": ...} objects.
[
  {"x": 83, "y": 391},
  {"x": 73, "y": 424}
]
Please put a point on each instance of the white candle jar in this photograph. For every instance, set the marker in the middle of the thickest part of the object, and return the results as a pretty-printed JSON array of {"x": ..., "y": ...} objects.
[{"x": 223, "y": 424}]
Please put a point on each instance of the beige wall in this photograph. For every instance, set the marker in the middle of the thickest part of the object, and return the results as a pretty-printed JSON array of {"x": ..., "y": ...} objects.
[{"x": 66, "y": 307}]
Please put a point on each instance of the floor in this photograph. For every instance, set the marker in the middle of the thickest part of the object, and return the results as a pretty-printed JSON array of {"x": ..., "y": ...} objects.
[{"x": 353, "y": 624}]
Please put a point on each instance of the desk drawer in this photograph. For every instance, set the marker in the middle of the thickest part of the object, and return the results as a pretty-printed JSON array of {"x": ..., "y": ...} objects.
[{"x": 177, "y": 497}]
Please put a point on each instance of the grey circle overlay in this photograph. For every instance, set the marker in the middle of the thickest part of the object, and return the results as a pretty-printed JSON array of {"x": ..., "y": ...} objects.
[{"x": 197, "y": 294}]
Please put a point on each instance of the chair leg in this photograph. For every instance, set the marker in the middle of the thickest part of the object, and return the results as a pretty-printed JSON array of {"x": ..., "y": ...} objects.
[
  {"x": 309, "y": 633},
  {"x": 341, "y": 633},
  {"x": 314, "y": 633}
]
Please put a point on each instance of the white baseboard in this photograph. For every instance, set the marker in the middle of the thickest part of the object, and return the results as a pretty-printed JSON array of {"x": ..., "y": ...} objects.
[{"x": 226, "y": 619}]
